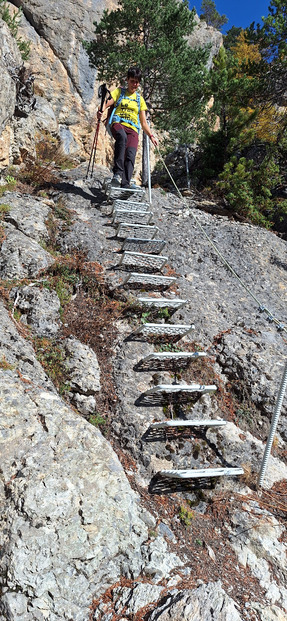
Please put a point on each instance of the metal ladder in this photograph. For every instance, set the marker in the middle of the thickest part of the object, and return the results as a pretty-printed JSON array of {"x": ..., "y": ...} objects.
[{"x": 141, "y": 249}]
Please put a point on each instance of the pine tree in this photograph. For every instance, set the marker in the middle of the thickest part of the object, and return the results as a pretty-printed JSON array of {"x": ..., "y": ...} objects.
[
  {"x": 230, "y": 115},
  {"x": 268, "y": 119},
  {"x": 231, "y": 36},
  {"x": 211, "y": 16},
  {"x": 153, "y": 34},
  {"x": 272, "y": 41}
]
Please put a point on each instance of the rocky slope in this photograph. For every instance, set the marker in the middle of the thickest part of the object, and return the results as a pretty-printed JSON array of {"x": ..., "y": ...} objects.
[{"x": 87, "y": 529}]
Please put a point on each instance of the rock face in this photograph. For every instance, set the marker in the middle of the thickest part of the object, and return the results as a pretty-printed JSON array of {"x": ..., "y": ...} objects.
[
  {"x": 84, "y": 374},
  {"x": 89, "y": 523},
  {"x": 10, "y": 59},
  {"x": 73, "y": 532},
  {"x": 40, "y": 309},
  {"x": 65, "y": 84},
  {"x": 72, "y": 524},
  {"x": 21, "y": 256},
  {"x": 206, "y": 35},
  {"x": 202, "y": 603}
]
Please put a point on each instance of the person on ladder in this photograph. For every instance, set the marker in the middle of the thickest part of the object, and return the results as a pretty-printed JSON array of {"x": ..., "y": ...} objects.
[{"x": 125, "y": 120}]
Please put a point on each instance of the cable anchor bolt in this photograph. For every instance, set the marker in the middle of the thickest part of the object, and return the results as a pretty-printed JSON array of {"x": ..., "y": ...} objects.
[{"x": 280, "y": 327}]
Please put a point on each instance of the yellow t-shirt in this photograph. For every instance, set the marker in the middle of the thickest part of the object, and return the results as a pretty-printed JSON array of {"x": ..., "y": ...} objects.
[{"x": 128, "y": 108}]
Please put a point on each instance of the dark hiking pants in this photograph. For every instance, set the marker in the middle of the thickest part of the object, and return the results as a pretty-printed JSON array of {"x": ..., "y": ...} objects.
[{"x": 125, "y": 152}]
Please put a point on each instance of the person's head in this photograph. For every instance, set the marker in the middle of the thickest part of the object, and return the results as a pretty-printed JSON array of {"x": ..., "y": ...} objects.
[
  {"x": 134, "y": 78},
  {"x": 135, "y": 73}
]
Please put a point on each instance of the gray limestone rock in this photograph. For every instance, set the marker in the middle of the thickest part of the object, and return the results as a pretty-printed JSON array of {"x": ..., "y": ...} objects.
[
  {"x": 85, "y": 405},
  {"x": 72, "y": 523},
  {"x": 63, "y": 25},
  {"x": 207, "y": 603},
  {"x": 84, "y": 368},
  {"x": 132, "y": 600},
  {"x": 19, "y": 353},
  {"x": 27, "y": 131},
  {"x": 10, "y": 59},
  {"x": 28, "y": 214},
  {"x": 40, "y": 309},
  {"x": 206, "y": 35},
  {"x": 21, "y": 256},
  {"x": 243, "y": 449},
  {"x": 158, "y": 562},
  {"x": 257, "y": 541}
]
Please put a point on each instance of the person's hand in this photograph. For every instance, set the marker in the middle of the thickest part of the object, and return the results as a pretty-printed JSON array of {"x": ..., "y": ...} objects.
[
  {"x": 154, "y": 140},
  {"x": 99, "y": 115}
]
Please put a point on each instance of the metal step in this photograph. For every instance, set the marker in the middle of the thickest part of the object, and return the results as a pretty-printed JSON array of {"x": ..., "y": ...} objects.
[
  {"x": 149, "y": 281},
  {"x": 153, "y": 246},
  {"x": 201, "y": 473},
  {"x": 131, "y": 217},
  {"x": 153, "y": 262},
  {"x": 171, "y": 303},
  {"x": 168, "y": 361},
  {"x": 130, "y": 205},
  {"x": 172, "y": 330},
  {"x": 124, "y": 193},
  {"x": 173, "y": 393},
  {"x": 188, "y": 423},
  {"x": 136, "y": 230}
]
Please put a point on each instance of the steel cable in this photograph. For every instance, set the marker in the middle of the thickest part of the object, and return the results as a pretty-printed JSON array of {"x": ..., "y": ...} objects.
[{"x": 261, "y": 307}]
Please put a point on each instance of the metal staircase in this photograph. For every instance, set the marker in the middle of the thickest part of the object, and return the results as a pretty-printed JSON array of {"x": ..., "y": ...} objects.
[{"x": 142, "y": 249}]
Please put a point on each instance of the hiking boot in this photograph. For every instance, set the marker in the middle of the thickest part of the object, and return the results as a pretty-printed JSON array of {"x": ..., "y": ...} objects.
[
  {"x": 133, "y": 185},
  {"x": 116, "y": 181}
]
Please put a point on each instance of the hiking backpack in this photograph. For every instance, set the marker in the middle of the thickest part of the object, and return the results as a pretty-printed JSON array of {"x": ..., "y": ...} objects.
[{"x": 115, "y": 118}]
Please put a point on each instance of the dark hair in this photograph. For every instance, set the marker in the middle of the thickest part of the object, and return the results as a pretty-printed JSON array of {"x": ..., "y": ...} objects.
[{"x": 135, "y": 72}]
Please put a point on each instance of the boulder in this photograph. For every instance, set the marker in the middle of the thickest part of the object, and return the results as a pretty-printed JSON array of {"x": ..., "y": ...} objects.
[
  {"x": 21, "y": 256},
  {"x": 207, "y": 603},
  {"x": 40, "y": 309},
  {"x": 83, "y": 366},
  {"x": 28, "y": 214}
]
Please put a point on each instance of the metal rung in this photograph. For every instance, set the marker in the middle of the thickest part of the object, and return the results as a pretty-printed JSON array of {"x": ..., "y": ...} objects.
[
  {"x": 188, "y": 423},
  {"x": 137, "y": 231},
  {"x": 150, "y": 281},
  {"x": 172, "y": 303},
  {"x": 164, "y": 329},
  {"x": 172, "y": 393},
  {"x": 140, "y": 259},
  {"x": 198, "y": 474},
  {"x": 117, "y": 192},
  {"x": 153, "y": 246},
  {"x": 132, "y": 217},
  {"x": 130, "y": 206},
  {"x": 166, "y": 361}
]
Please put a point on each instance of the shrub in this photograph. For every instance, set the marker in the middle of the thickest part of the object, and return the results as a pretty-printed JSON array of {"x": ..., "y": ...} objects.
[
  {"x": 185, "y": 516},
  {"x": 13, "y": 23},
  {"x": 248, "y": 188},
  {"x": 40, "y": 172}
]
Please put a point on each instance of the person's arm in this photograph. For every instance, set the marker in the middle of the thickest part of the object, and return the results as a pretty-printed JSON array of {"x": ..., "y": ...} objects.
[
  {"x": 107, "y": 104},
  {"x": 147, "y": 129}
]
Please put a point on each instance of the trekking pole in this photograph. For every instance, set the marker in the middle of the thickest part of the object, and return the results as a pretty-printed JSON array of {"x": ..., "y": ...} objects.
[{"x": 102, "y": 92}]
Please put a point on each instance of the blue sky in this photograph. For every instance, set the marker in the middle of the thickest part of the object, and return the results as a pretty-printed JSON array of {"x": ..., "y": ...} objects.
[{"x": 239, "y": 12}]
